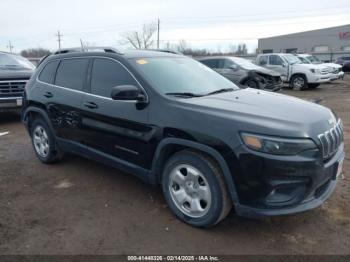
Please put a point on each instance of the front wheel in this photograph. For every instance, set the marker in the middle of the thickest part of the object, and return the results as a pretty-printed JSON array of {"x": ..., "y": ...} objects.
[
  {"x": 252, "y": 84},
  {"x": 195, "y": 190},
  {"x": 299, "y": 82}
]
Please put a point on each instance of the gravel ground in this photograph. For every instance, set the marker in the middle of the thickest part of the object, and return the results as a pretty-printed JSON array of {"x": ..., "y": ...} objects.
[{"x": 83, "y": 207}]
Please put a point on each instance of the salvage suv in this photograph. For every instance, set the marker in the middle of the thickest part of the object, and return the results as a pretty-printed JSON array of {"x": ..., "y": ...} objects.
[
  {"x": 300, "y": 76},
  {"x": 15, "y": 72},
  {"x": 170, "y": 120}
]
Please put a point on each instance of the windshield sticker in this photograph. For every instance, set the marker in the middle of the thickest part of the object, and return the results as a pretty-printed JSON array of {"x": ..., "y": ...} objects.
[{"x": 142, "y": 61}]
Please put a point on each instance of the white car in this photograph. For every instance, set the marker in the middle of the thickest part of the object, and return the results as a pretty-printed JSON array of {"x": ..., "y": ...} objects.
[
  {"x": 293, "y": 71},
  {"x": 337, "y": 72}
]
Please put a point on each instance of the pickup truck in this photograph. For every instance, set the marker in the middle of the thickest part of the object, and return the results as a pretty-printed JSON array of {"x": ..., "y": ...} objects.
[
  {"x": 300, "y": 76},
  {"x": 336, "y": 69},
  {"x": 15, "y": 72}
]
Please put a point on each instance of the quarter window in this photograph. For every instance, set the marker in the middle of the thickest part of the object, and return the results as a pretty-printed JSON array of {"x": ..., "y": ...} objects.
[
  {"x": 71, "y": 73},
  {"x": 106, "y": 74},
  {"x": 48, "y": 72}
]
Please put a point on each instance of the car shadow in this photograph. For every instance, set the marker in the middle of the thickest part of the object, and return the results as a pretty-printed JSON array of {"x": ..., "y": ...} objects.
[{"x": 9, "y": 117}]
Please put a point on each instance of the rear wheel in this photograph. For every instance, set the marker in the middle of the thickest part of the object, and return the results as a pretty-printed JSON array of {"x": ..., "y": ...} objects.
[
  {"x": 195, "y": 190},
  {"x": 44, "y": 142}
]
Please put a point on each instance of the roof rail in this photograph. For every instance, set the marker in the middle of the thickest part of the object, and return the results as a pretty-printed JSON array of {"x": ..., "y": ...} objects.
[
  {"x": 88, "y": 49},
  {"x": 166, "y": 51}
]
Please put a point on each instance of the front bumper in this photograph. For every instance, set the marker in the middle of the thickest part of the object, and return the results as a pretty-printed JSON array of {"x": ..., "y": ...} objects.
[
  {"x": 10, "y": 102},
  {"x": 284, "y": 185},
  {"x": 315, "y": 78},
  {"x": 339, "y": 75}
]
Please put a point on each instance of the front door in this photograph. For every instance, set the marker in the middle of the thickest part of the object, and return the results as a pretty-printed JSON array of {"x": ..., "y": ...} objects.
[{"x": 117, "y": 128}]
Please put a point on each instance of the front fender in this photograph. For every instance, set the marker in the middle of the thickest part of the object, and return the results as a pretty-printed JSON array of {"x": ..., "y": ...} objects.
[{"x": 157, "y": 160}]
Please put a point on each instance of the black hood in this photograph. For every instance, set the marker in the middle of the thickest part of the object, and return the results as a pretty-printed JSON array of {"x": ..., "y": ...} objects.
[
  {"x": 10, "y": 74},
  {"x": 270, "y": 113}
]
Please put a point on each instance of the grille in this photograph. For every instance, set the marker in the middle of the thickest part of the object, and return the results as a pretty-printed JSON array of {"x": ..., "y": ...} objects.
[
  {"x": 331, "y": 140},
  {"x": 12, "y": 88},
  {"x": 326, "y": 71}
]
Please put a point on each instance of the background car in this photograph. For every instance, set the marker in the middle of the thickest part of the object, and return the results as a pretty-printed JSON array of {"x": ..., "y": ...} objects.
[
  {"x": 344, "y": 61},
  {"x": 15, "y": 71},
  {"x": 300, "y": 76},
  {"x": 243, "y": 72},
  {"x": 337, "y": 71}
]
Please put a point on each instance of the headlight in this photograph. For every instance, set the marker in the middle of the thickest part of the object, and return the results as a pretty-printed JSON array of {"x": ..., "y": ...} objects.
[
  {"x": 277, "y": 146},
  {"x": 315, "y": 71}
]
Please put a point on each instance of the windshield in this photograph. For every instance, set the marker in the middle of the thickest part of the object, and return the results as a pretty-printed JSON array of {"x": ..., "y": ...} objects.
[
  {"x": 292, "y": 59},
  {"x": 304, "y": 60},
  {"x": 246, "y": 64},
  {"x": 313, "y": 59},
  {"x": 181, "y": 75},
  {"x": 8, "y": 61}
]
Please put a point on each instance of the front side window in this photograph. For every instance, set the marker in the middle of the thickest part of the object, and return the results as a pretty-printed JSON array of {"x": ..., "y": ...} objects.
[
  {"x": 71, "y": 73},
  {"x": 181, "y": 74},
  {"x": 292, "y": 59},
  {"x": 47, "y": 74},
  {"x": 275, "y": 60},
  {"x": 262, "y": 60},
  {"x": 106, "y": 74}
]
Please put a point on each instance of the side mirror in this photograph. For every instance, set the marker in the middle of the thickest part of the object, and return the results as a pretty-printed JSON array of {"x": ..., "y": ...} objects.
[
  {"x": 127, "y": 93},
  {"x": 284, "y": 65},
  {"x": 234, "y": 67}
]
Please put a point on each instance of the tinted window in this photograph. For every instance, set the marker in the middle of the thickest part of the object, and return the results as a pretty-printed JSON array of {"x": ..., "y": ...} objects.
[
  {"x": 228, "y": 63},
  {"x": 275, "y": 60},
  {"x": 48, "y": 72},
  {"x": 106, "y": 74},
  {"x": 212, "y": 63},
  {"x": 262, "y": 60},
  {"x": 71, "y": 73}
]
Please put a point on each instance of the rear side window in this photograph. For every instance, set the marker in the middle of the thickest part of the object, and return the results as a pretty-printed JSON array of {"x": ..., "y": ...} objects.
[
  {"x": 48, "y": 73},
  {"x": 106, "y": 74},
  {"x": 212, "y": 63},
  {"x": 71, "y": 73},
  {"x": 262, "y": 60}
]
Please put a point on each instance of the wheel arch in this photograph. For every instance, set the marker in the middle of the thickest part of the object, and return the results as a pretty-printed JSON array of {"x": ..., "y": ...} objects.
[
  {"x": 32, "y": 111},
  {"x": 169, "y": 146}
]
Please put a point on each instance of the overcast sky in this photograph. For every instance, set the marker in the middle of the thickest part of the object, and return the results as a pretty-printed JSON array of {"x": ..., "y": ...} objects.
[{"x": 214, "y": 24}]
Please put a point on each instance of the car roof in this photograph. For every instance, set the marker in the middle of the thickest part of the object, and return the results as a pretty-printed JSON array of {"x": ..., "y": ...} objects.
[{"x": 74, "y": 52}]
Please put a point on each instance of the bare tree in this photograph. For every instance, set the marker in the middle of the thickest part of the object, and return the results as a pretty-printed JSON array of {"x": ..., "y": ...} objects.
[
  {"x": 141, "y": 39},
  {"x": 35, "y": 52},
  {"x": 182, "y": 46}
]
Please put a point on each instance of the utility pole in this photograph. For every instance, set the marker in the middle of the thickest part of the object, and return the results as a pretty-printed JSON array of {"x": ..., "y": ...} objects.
[
  {"x": 59, "y": 36},
  {"x": 158, "y": 28},
  {"x": 10, "y": 46}
]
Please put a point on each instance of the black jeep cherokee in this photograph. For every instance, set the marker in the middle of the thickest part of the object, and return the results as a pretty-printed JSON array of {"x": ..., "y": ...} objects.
[
  {"x": 170, "y": 120},
  {"x": 15, "y": 72}
]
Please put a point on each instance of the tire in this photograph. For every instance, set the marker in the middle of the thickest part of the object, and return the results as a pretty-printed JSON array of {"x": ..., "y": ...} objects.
[
  {"x": 195, "y": 190},
  {"x": 298, "y": 82},
  {"x": 313, "y": 85},
  {"x": 44, "y": 143},
  {"x": 252, "y": 84}
]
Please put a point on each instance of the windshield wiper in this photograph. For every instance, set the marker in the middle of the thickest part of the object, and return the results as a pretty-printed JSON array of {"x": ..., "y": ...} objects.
[
  {"x": 223, "y": 90},
  {"x": 185, "y": 94}
]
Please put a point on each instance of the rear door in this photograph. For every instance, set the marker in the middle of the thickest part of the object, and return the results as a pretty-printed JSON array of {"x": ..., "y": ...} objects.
[
  {"x": 64, "y": 97},
  {"x": 117, "y": 128}
]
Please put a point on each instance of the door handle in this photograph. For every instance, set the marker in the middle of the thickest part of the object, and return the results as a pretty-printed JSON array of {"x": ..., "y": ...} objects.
[
  {"x": 90, "y": 105},
  {"x": 48, "y": 94}
]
